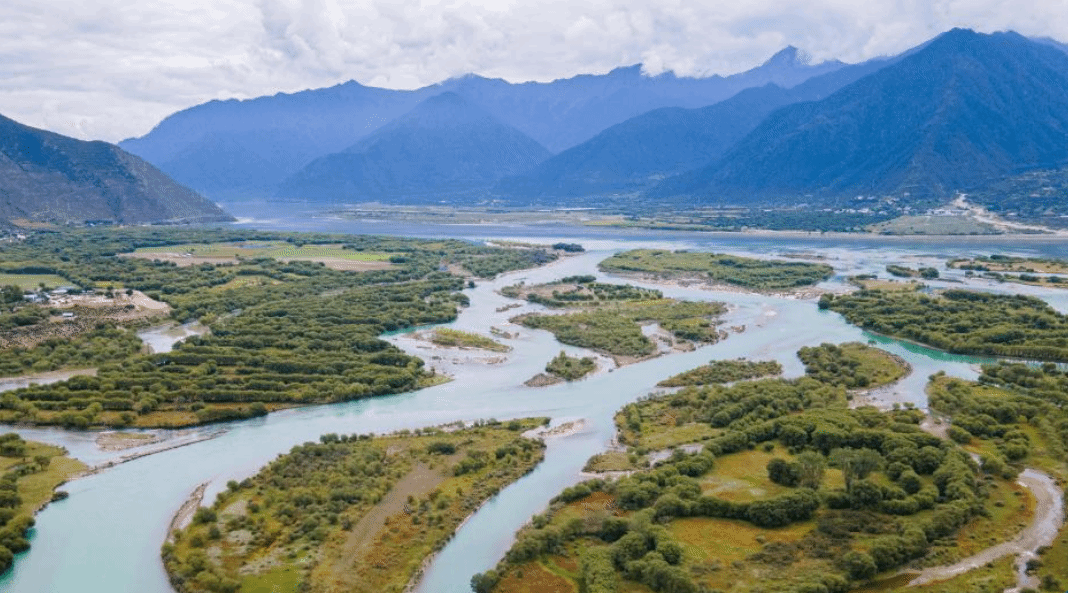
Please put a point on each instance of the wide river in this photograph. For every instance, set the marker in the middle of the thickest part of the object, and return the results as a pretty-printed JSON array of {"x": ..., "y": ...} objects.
[{"x": 106, "y": 537}]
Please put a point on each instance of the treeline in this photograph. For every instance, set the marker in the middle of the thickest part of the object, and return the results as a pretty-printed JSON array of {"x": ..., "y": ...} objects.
[
  {"x": 904, "y": 492},
  {"x": 302, "y": 508},
  {"x": 852, "y": 365},
  {"x": 757, "y": 274},
  {"x": 723, "y": 371},
  {"x": 618, "y": 330},
  {"x": 960, "y": 321}
]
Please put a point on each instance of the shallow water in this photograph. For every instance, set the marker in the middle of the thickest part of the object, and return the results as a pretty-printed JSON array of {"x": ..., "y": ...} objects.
[{"x": 106, "y": 536}]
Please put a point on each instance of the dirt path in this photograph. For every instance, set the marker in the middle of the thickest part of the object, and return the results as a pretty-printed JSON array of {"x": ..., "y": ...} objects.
[
  {"x": 418, "y": 483},
  {"x": 1049, "y": 516}
]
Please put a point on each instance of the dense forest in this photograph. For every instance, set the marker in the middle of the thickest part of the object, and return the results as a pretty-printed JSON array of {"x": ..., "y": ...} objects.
[
  {"x": 755, "y": 274},
  {"x": 303, "y": 334},
  {"x": 803, "y": 493},
  {"x": 960, "y": 321},
  {"x": 349, "y": 513}
]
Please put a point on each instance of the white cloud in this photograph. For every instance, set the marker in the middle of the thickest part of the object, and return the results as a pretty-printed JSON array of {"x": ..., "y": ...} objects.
[{"x": 110, "y": 69}]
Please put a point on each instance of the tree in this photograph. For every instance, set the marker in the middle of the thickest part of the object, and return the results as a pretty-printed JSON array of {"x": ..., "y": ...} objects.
[
  {"x": 812, "y": 467},
  {"x": 784, "y": 472},
  {"x": 859, "y": 565},
  {"x": 856, "y": 464}
]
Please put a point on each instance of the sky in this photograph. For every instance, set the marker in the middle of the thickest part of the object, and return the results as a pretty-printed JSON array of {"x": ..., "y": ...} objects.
[{"x": 112, "y": 69}]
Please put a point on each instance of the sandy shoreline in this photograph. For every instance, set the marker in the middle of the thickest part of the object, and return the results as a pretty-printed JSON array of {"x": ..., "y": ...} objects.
[{"x": 185, "y": 513}]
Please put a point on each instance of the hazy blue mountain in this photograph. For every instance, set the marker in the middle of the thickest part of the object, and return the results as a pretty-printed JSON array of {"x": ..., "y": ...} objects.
[
  {"x": 1051, "y": 42},
  {"x": 961, "y": 113},
  {"x": 564, "y": 113},
  {"x": 235, "y": 148},
  {"x": 240, "y": 148},
  {"x": 48, "y": 177},
  {"x": 645, "y": 149},
  {"x": 444, "y": 147}
]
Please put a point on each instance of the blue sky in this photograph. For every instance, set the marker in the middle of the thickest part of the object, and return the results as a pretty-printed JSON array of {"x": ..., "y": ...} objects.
[{"x": 110, "y": 69}]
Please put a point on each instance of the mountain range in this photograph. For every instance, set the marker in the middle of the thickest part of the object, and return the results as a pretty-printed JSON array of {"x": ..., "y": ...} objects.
[
  {"x": 961, "y": 113},
  {"x": 965, "y": 112},
  {"x": 47, "y": 177},
  {"x": 241, "y": 148},
  {"x": 442, "y": 148}
]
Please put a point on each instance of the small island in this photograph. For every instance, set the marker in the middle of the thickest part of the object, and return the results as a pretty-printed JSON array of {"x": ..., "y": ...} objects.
[
  {"x": 563, "y": 368},
  {"x": 351, "y": 513},
  {"x": 719, "y": 269},
  {"x": 723, "y": 371}
]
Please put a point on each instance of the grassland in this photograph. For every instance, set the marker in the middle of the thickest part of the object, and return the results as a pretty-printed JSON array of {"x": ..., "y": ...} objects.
[
  {"x": 348, "y": 513},
  {"x": 454, "y": 338},
  {"x": 744, "y": 272},
  {"x": 29, "y": 474},
  {"x": 32, "y": 281}
]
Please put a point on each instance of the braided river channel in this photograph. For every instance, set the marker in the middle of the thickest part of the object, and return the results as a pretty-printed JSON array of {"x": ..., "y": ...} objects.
[{"x": 106, "y": 537}]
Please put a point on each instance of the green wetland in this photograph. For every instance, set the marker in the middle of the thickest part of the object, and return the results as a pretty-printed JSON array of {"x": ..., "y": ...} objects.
[{"x": 107, "y": 535}]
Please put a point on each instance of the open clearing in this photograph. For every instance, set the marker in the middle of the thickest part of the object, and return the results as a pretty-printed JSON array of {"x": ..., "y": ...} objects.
[{"x": 332, "y": 256}]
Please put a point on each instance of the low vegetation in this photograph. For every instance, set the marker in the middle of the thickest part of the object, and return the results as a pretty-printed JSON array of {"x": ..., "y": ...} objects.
[
  {"x": 580, "y": 291},
  {"x": 789, "y": 491},
  {"x": 29, "y": 475},
  {"x": 906, "y": 272},
  {"x": 299, "y": 333},
  {"x": 1014, "y": 416},
  {"x": 960, "y": 321},
  {"x": 350, "y": 513},
  {"x": 1008, "y": 263},
  {"x": 755, "y": 274},
  {"x": 454, "y": 338},
  {"x": 852, "y": 365},
  {"x": 617, "y": 330},
  {"x": 570, "y": 368},
  {"x": 723, "y": 371}
]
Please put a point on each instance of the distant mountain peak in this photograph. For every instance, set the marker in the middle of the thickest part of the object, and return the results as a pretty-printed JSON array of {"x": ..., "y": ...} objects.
[{"x": 789, "y": 56}]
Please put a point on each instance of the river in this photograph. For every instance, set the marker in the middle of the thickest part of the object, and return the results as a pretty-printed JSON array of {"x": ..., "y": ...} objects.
[{"x": 105, "y": 537}]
